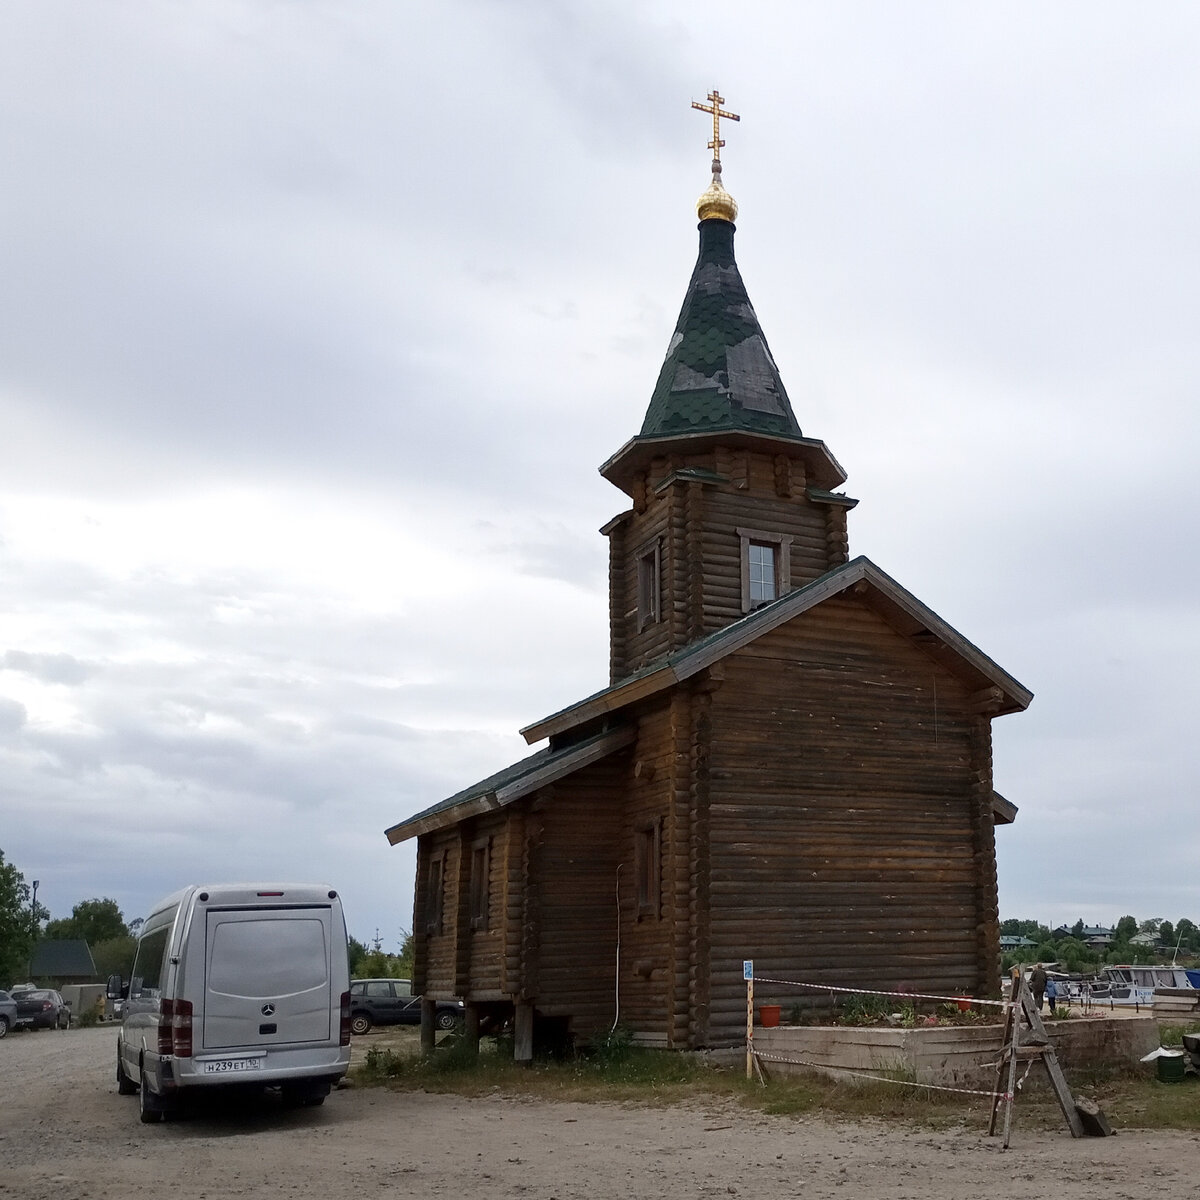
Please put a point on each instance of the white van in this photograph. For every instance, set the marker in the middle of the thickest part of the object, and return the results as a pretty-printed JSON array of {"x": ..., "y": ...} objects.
[{"x": 243, "y": 984}]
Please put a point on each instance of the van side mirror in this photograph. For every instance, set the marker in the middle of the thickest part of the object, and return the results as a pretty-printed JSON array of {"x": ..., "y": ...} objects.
[{"x": 113, "y": 988}]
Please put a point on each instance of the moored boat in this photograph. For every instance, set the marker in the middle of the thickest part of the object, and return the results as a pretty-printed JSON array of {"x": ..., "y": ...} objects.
[{"x": 1130, "y": 984}]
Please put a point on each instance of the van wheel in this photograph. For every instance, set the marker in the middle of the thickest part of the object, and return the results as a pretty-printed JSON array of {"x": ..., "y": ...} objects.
[
  {"x": 125, "y": 1085},
  {"x": 360, "y": 1023},
  {"x": 446, "y": 1020},
  {"x": 149, "y": 1106},
  {"x": 3, "y": 1027}
]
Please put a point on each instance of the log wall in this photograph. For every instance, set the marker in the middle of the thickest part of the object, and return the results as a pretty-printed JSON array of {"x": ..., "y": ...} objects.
[
  {"x": 845, "y": 845},
  {"x": 695, "y": 524},
  {"x": 570, "y": 930}
]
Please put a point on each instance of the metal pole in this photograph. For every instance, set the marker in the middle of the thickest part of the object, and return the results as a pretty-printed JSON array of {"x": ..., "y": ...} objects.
[
  {"x": 33, "y": 928},
  {"x": 748, "y": 974}
]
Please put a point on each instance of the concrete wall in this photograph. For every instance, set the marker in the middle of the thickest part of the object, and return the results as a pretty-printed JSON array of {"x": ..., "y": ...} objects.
[{"x": 948, "y": 1054}]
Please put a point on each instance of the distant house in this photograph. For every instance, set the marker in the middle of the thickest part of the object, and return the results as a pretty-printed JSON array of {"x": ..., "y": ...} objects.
[
  {"x": 58, "y": 963},
  {"x": 1012, "y": 941},
  {"x": 1144, "y": 939},
  {"x": 1095, "y": 937}
]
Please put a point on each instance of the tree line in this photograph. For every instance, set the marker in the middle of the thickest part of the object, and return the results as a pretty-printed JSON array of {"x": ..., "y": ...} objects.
[
  {"x": 1177, "y": 941},
  {"x": 112, "y": 940}
]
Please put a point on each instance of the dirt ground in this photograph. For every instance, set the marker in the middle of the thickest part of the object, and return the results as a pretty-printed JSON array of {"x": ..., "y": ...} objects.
[{"x": 65, "y": 1134}]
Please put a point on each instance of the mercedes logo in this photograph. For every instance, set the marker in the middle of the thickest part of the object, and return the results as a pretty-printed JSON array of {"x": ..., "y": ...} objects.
[{"x": 268, "y": 1010}]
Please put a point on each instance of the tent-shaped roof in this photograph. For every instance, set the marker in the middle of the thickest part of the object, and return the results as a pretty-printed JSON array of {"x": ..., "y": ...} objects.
[{"x": 719, "y": 379}]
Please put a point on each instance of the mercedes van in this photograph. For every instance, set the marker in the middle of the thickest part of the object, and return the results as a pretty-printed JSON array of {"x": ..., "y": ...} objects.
[{"x": 243, "y": 985}]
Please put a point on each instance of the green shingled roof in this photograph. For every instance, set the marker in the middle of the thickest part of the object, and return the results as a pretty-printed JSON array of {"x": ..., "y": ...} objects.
[{"x": 718, "y": 373}]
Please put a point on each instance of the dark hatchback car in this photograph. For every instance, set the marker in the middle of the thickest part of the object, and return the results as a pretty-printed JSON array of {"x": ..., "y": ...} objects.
[
  {"x": 391, "y": 1002},
  {"x": 41, "y": 1008}
]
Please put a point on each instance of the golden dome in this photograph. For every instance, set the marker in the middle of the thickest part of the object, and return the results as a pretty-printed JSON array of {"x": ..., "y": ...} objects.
[{"x": 717, "y": 202}]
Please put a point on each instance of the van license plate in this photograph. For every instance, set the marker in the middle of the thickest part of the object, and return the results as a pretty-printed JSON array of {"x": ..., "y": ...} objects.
[{"x": 224, "y": 1065}]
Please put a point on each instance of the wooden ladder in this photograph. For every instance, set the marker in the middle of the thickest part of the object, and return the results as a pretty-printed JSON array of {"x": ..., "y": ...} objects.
[{"x": 1025, "y": 1040}]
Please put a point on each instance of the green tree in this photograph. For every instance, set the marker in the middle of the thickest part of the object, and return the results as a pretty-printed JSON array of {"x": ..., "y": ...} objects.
[
  {"x": 1126, "y": 928},
  {"x": 1047, "y": 952},
  {"x": 1071, "y": 953},
  {"x": 94, "y": 921},
  {"x": 16, "y": 924},
  {"x": 114, "y": 956},
  {"x": 1077, "y": 929},
  {"x": 1167, "y": 935},
  {"x": 1186, "y": 930}
]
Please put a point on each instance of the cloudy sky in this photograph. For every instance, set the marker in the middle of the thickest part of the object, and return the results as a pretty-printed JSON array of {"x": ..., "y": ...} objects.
[{"x": 317, "y": 317}]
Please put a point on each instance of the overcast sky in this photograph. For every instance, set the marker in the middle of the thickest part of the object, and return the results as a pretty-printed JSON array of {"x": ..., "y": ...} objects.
[{"x": 317, "y": 318}]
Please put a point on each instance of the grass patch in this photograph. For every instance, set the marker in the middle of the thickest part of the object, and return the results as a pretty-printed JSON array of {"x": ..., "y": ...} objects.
[
  {"x": 612, "y": 1070},
  {"x": 1172, "y": 1035}
]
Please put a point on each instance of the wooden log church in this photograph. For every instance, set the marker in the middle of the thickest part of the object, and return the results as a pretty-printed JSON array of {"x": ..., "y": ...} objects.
[{"x": 791, "y": 762}]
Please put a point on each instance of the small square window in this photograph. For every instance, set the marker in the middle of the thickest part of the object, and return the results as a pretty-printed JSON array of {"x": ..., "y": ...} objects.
[
  {"x": 766, "y": 566},
  {"x": 762, "y": 573}
]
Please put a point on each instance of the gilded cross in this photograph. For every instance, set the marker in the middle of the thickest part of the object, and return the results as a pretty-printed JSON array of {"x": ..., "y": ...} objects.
[{"x": 717, "y": 113}]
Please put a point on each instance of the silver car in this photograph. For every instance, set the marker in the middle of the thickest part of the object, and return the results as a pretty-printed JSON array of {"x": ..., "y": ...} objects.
[{"x": 8, "y": 1013}]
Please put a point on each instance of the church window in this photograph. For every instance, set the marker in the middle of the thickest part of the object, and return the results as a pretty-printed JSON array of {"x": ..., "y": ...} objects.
[
  {"x": 648, "y": 868},
  {"x": 766, "y": 567},
  {"x": 433, "y": 896},
  {"x": 762, "y": 573},
  {"x": 481, "y": 884},
  {"x": 649, "y": 586}
]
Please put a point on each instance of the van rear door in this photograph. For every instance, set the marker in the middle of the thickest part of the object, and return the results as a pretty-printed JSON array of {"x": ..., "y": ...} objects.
[{"x": 266, "y": 978}]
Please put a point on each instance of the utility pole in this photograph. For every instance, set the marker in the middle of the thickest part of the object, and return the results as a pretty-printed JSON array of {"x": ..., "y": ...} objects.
[{"x": 33, "y": 928}]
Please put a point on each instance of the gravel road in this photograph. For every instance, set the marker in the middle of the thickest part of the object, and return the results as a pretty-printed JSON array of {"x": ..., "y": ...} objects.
[{"x": 65, "y": 1134}]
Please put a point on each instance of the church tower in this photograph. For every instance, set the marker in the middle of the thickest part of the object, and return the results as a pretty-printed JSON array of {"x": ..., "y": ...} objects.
[{"x": 732, "y": 505}]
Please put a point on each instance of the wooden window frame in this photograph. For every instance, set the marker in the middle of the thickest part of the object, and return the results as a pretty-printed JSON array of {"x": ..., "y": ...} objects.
[
  {"x": 649, "y": 585},
  {"x": 435, "y": 893},
  {"x": 781, "y": 544},
  {"x": 481, "y": 884},
  {"x": 647, "y": 869}
]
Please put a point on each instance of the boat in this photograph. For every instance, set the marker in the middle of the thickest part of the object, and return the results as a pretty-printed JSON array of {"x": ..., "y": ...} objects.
[{"x": 1130, "y": 984}]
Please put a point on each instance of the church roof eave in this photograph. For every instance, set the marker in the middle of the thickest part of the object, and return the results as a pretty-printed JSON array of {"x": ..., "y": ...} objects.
[
  {"x": 509, "y": 784},
  {"x": 636, "y": 455}
]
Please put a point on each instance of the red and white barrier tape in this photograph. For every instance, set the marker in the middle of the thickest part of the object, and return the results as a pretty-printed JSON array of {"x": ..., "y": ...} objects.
[{"x": 828, "y": 987}]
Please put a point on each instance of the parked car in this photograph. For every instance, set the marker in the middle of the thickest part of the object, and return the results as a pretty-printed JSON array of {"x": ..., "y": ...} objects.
[
  {"x": 391, "y": 1002},
  {"x": 8, "y": 1013},
  {"x": 41, "y": 1008}
]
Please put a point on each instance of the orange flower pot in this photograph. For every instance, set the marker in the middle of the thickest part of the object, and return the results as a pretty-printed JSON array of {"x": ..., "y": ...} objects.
[{"x": 769, "y": 1014}]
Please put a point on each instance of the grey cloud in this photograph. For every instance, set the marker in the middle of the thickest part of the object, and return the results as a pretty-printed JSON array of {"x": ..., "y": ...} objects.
[{"x": 50, "y": 668}]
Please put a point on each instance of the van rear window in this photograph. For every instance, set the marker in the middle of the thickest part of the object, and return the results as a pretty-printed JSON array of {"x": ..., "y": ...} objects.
[{"x": 274, "y": 957}]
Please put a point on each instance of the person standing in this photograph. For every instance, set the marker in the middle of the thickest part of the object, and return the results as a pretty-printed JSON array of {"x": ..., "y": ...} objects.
[
  {"x": 1037, "y": 985},
  {"x": 1051, "y": 994}
]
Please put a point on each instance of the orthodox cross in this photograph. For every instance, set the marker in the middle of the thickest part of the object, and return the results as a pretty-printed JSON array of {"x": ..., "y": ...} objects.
[{"x": 717, "y": 113}]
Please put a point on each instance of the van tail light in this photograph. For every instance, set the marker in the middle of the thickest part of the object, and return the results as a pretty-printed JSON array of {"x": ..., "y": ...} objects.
[
  {"x": 166, "y": 1014},
  {"x": 175, "y": 1028},
  {"x": 344, "y": 1030},
  {"x": 181, "y": 1029}
]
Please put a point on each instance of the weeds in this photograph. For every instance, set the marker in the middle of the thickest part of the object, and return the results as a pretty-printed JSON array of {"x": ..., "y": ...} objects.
[
  {"x": 611, "y": 1068},
  {"x": 864, "y": 1010}
]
